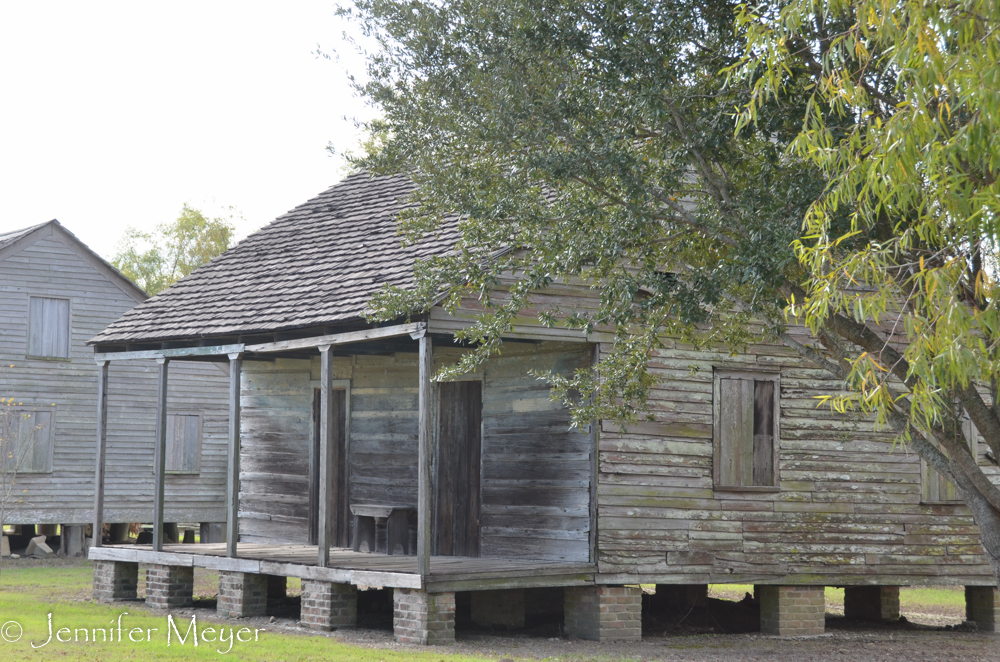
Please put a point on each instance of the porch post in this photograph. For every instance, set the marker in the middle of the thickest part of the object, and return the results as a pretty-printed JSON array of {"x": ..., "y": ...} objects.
[
  {"x": 233, "y": 461},
  {"x": 102, "y": 441},
  {"x": 160, "y": 457},
  {"x": 424, "y": 459},
  {"x": 328, "y": 460}
]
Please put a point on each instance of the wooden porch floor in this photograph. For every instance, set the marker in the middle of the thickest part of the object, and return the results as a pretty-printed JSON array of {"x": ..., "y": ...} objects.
[{"x": 448, "y": 573}]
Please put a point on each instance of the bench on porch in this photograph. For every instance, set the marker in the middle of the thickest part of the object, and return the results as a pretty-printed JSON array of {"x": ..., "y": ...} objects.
[{"x": 369, "y": 518}]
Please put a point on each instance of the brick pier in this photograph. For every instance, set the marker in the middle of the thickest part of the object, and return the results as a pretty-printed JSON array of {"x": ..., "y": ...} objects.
[
  {"x": 498, "y": 609},
  {"x": 169, "y": 586},
  {"x": 328, "y": 606},
  {"x": 115, "y": 580},
  {"x": 242, "y": 594},
  {"x": 792, "y": 610},
  {"x": 871, "y": 603},
  {"x": 982, "y": 605},
  {"x": 423, "y": 618},
  {"x": 604, "y": 613}
]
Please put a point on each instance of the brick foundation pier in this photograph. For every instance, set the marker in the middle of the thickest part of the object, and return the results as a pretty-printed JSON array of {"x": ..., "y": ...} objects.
[
  {"x": 871, "y": 603},
  {"x": 169, "y": 586},
  {"x": 328, "y": 606},
  {"x": 115, "y": 580},
  {"x": 603, "y": 613},
  {"x": 423, "y": 618},
  {"x": 792, "y": 610},
  {"x": 241, "y": 594},
  {"x": 498, "y": 609},
  {"x": 982, "y": 605}
]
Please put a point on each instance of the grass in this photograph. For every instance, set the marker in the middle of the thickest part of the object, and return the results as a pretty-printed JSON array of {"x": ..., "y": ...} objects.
[
  {"x": 912, "y": 599},
  {"x": 29, "y": 595}
]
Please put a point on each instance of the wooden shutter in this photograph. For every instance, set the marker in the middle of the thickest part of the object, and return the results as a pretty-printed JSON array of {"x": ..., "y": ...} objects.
[
  {"x": 29, "y": 436},
  {"x": 736, "y": 427},
  {"x": 763, "y": 433},
  {"x": 183, "y": 442},
  {"x": 934, "y": 486},
  {"x": 48, "y": 327}
]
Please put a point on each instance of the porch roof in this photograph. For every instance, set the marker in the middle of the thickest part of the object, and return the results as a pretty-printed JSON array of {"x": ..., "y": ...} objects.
[{"x": 316, "y": 265}]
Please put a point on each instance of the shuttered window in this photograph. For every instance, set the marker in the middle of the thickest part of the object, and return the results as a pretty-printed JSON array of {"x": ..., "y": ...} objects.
[
  {"x": 746, "y": 430},
  {"x": 48, "y": 327},
  {"x": 183, "y": 443},
  {"x": 935, "y": 488},
  {"x": 26, "y": 441}
]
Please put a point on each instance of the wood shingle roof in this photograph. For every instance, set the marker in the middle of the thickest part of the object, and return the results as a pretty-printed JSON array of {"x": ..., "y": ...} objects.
[{"x": 316, "y": 265}]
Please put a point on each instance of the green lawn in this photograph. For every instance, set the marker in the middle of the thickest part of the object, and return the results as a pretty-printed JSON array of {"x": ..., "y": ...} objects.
[
  {"x": 910, "y": 598},
  {"x": 29, "y": 595}
]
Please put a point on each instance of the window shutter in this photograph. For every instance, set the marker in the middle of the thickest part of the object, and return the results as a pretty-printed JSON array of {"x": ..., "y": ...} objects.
[
  {"x": 736, "y": 428},
  {"x": 24, "y": 428},
  {"x": 763, "y": 433},
  {"x": 42, "y": 431},
  {"x": 48, "y": 327},
  {"x": 183, "y": 442},
  {"x": 934, "y": 486}
]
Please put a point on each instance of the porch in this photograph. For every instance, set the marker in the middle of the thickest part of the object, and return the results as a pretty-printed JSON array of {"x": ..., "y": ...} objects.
[
  {"x": 423, "y": 604},
  {"x": 345, "y": 566}
]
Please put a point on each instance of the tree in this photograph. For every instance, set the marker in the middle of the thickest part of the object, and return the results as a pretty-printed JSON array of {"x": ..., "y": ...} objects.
[
  {"x": 155, "y": 261},
  {"x": 600, "y": 135},
  {"x": 903, "y": 118}
]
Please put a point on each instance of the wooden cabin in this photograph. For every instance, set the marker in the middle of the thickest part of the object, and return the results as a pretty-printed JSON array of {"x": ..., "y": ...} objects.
[
  {"x": 349, "y": 466},
  {"x": 56, "y": 294}
]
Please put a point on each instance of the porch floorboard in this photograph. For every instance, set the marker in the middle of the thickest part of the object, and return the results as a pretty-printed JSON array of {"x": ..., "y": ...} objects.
[{"x": 448, "y": 573}]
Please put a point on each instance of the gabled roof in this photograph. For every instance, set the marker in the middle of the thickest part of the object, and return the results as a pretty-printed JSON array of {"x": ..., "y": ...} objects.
[
  {"x": 316, "y": 265},
  {"x": 17, "y": 240},
  {"x": 10, "y": 237}
]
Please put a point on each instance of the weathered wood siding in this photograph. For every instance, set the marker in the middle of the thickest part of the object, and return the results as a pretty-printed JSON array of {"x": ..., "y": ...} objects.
[
  {"x": 535, "y": 470},
  {"x": 276, "y": 427},
  {"x": 848, "y": 511},
  {"x": 52, "y": 268}
]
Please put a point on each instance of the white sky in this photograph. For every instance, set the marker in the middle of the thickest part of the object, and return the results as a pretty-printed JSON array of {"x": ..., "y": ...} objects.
[{"x": 117, "y": 113}]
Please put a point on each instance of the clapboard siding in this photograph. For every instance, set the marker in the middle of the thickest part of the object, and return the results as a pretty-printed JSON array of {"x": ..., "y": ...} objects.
[
  {"x": 535, "y": 470},
  {"x": 532, "y": 459},
  {"x": 276, "y": 432},
  {"x": 54, "y": 268},
  {"x": 848, "y": 509}
]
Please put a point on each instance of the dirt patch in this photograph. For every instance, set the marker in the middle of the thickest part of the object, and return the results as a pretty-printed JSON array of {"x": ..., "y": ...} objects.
[
  {"x": 706, "y": 634},
  {"x": 843, "y": 642}
]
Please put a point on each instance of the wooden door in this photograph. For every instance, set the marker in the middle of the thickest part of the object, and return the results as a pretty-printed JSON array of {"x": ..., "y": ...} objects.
[
  {"x": 458, "y": 468},
  {"x": 340, "y": 506}
]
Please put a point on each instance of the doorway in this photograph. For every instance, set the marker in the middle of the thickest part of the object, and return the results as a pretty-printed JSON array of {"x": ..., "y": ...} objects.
[
  {"x": 460, "y": 407},
  {"x": 341, "y": 528}
]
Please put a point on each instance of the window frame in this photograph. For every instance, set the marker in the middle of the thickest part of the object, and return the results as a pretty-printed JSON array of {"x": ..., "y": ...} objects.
[
  {"x": 200, "y": 445},
  {"x": 69, "y": 330},
  {"x": 50, "y": 455},
  {"x": 718, "y": 374}
]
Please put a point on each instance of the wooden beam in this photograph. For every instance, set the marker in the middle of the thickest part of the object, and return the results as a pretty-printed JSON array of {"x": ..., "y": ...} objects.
[
  {"x": 160, "y": 455},
  {"x": 102, "y": 441},
  {"x": 178, "y": 352},
  {"x": 340, "y": 338},
  {"x": 424, "y": 459},
  {"x": 233, "y": 459},
  {"x": 328, "y": 451},
  {"x": 595, "y": 445}
]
